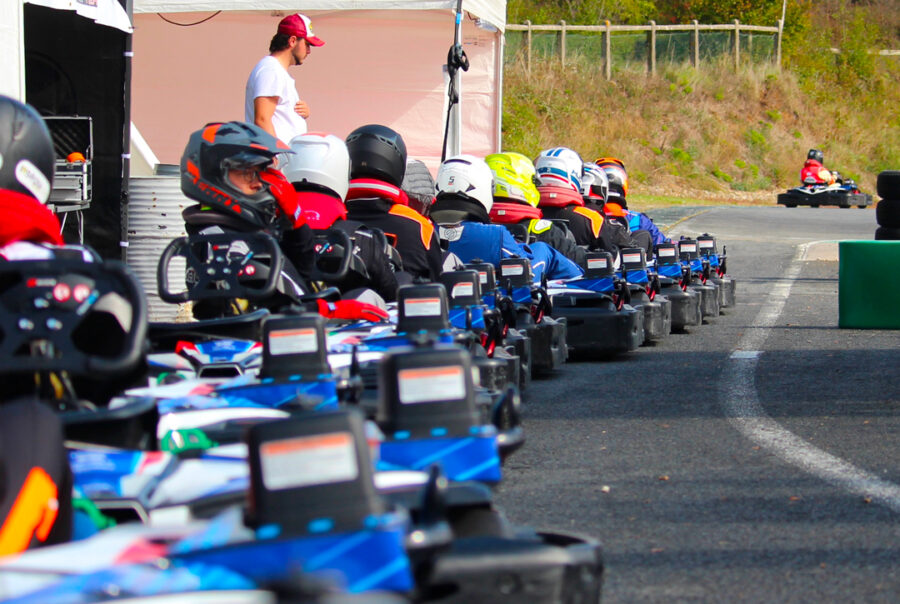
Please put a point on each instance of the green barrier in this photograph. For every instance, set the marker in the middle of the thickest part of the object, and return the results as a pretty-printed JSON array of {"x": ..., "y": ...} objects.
[{"x": 869, "y": 285}]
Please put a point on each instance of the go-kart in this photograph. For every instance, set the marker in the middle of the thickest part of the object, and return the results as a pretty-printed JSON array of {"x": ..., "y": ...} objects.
[
  {"x": 674, "y": 279},
  {"x": 596, "y": 306},
  {"x": 643, "y": 292},
  {"x": 696, "y": 271},
  {"x": 533, "y": 315},
  {"x": 843, "y": 193}
]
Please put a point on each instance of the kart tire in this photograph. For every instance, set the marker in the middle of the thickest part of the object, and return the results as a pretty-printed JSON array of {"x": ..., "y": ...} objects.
[
  {"x": 887, "y": 213},
  {"x": 888, "y": 184},
  {"x": 887, "y": 234},
  {"x": 790, "y": 205},
  {"x": 814, "y": 205}
]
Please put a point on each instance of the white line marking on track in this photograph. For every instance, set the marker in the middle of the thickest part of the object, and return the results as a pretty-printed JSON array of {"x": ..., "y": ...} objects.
[{"x": 740, "y": 402}]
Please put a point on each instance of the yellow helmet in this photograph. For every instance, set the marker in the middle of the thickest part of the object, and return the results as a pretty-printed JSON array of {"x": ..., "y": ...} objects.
[{"x": 513, "y": 177}]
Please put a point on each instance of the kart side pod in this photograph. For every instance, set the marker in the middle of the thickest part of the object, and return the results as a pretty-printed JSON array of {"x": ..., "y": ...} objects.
[
  {"x": 428, "y": 414},
  {"x": 312, "y": 475},
  {"x": 599, "y": 265},
  {"x": 422, "y": 308},
  {"x": 294, "y": 345}
]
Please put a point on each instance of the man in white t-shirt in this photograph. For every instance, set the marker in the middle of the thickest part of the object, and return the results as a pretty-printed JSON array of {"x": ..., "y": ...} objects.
[{"x": 271, "y": 100}]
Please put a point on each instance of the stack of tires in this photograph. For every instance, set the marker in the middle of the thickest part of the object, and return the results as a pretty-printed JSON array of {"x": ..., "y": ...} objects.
[{"x": 887, "y": 212}]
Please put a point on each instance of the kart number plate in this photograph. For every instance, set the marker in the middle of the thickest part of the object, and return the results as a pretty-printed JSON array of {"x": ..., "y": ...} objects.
[
  {"x": 689, "y": 247},
  {"x": 422, "y": 307},
  {"x": 667, "y": 252},
  {"x": 515, "y": 269},
  {"x": 631, "y": 258},
  {"x": 308, "y": 460},
  {"x": 293, "y": 341},
  {"x": 462, "y": 289},
  {"x": 597, "y": 263},
  {"x": 431, "y": 384}
]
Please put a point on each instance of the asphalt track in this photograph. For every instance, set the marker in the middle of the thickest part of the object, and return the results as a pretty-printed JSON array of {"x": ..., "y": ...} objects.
[{"x": 753, "y": 459}]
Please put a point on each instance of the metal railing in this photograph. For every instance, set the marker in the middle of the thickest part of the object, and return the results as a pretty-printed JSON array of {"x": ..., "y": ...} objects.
[{"x": 633, "y": 41}]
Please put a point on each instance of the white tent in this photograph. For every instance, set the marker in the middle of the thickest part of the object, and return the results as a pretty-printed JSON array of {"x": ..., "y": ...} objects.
[{"x": 382, "y": 63}]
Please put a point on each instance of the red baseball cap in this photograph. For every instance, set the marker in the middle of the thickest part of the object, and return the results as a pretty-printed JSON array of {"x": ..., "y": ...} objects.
[{"x": 300, "y": 26}]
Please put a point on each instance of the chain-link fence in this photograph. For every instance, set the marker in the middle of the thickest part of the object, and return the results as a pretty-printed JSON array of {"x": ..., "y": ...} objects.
[{"x": 643, "y": 47}]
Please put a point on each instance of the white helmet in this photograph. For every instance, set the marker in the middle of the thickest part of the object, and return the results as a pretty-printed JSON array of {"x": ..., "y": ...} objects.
[
  {"x": 319, "y": 159},
  {"x": 595, "y": 183},
  {"x": 466, "y": 176},
  {"x": 560, "y": 167}
]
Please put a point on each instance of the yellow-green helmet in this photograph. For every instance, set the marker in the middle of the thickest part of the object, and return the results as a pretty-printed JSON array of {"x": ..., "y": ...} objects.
[{"x": 513, "y": 177}]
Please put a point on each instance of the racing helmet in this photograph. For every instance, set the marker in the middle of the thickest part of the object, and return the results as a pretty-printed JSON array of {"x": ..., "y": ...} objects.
[
  {"x": 595, "y": 184},
  {"x": 377, "y": 152},
  {"x": 466, "y": 176},
  {"x": 817, "y": 155},
  {"x": 26, "y": 150},
  {"x": 559, "y": 167},
  {"x": 320, "y": 160},
  {"x": 218, "y": 148},
  {"x": 525, "y": 168},
  {"x": 617, "y": 177},
  {"x": 509, "y": 184},
  {"x": 418, "y": 184}
]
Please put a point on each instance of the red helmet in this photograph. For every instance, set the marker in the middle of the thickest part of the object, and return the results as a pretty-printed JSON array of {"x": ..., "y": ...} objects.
[{"x": 219, "y": 147}]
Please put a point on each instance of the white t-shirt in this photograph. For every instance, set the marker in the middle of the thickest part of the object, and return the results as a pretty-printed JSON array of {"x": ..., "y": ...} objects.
[{"x": 269, "y": 78}]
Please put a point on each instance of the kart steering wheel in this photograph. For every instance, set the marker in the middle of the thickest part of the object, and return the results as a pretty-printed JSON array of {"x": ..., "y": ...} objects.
[
  {"x": 56, "y": 315},
  {"x": 222, "y": 265},
  {"x": 335, "y": 258}
]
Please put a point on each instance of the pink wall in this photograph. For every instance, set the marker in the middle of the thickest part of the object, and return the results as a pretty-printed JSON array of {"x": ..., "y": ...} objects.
[{"x": 376, "y": 67}]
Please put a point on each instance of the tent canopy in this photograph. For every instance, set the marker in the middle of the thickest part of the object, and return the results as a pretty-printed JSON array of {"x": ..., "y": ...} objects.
[{"x": 491, "y": 11}]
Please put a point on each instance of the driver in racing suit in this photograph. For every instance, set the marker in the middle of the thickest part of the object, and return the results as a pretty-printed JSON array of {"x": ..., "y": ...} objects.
[
  {"x": 36, "y": 498},
  {"x": 814, "y": 172},
  {"x": 228, "y": 168}
]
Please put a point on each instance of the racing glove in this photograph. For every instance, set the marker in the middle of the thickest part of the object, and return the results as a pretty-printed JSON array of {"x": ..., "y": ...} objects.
[
  {"x": 285, "y": 195},
  {"x": 352, "y": 309}
]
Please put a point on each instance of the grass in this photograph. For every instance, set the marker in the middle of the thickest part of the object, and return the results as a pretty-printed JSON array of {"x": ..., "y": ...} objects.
[{"x": 715, "y": 135}]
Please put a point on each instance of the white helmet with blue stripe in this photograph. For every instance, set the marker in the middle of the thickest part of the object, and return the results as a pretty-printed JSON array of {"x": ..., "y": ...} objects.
[{"x": 559, "y": 167}]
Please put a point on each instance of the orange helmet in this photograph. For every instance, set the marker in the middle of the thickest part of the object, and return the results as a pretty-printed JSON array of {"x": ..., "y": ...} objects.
[{"x": 74, "y": 157}]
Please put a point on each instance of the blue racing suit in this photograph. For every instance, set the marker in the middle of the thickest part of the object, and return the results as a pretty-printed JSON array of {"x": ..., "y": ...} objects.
[
  {"x": 640, "y": 221},
  {"x": 492, "y": 242}
]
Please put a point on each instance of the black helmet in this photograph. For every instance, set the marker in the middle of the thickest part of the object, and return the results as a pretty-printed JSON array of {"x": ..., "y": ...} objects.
[
  {"x": 217, "y": 148},
  {"x": 816, "y": 155},
  {"x": 377, "y": 152},
  {"x": 26, "y": 150}
]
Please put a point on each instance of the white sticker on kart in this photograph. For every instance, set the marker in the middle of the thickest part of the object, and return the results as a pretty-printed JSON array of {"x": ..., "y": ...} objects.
[
  {"x": 293, "y": 341},
  {"x": 308, "y": 460},
  {"x": 422, "y": 307},
  {"x": 431, "y": 384},
  {"x": 705, "y": 244},
  {"x": 597, "y": 263},
  {"x": 509, "y": 270},
  {"x": 461, "y": 290},
  {"x": 690, "y": 248},
  {"x": 482, "y": 276},
  {"x": 666, "y": 252},
  {"x": 631, "y": 258}
]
